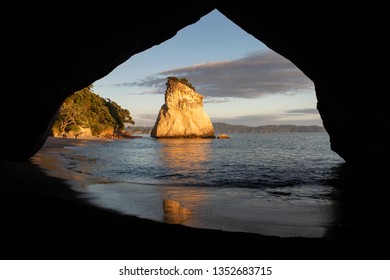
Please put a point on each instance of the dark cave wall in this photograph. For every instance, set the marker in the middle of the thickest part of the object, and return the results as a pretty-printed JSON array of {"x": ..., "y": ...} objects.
[
  {"x": 344, "y": 52},
  {"x": 53, "y": 52}
]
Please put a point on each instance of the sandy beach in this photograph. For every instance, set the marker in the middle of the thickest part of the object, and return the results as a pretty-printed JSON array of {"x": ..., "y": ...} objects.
[{"x": 42, "y": 217}]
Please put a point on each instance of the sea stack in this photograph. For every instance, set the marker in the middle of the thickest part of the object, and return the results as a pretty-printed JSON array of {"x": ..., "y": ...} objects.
[{"x": 182, "y": 115}]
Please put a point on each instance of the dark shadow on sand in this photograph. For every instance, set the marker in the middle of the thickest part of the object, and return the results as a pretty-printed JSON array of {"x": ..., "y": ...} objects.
[{"x": 362, "y": 207}]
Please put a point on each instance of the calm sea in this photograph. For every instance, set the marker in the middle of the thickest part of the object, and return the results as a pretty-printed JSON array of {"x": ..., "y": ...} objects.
[{"x": 276, "y": 184}]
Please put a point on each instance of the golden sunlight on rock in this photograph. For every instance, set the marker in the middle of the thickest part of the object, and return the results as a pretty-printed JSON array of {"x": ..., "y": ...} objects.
[
  {"x": 223, "y": 136},
  {"x": 182, "y": 115}
]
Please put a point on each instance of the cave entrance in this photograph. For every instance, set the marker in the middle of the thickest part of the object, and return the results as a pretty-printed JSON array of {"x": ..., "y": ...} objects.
[
  {"x": 243, "y": 81},
  {"x": 277, "y": 178}
]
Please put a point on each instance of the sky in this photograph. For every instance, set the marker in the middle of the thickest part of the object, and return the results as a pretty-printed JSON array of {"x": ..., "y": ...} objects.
[{"x": 242, "y": 80}]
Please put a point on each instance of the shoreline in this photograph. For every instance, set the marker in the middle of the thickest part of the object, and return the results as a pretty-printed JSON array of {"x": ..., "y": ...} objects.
[
  {"x": 43, "y": 218},
  {"x": 196, "y": 207}
]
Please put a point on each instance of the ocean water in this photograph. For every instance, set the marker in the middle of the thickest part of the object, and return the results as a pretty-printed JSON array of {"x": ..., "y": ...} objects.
[{"x": 274, "y": 184}]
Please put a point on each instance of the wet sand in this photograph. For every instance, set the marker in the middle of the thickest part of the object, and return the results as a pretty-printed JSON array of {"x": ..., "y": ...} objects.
[
  {"x": 42, "y": 217},
  {"x": 228, "y": 209}
]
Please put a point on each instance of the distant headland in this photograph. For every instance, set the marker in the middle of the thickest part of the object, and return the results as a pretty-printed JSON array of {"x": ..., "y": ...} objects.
[{"x": 221, "y": 127}]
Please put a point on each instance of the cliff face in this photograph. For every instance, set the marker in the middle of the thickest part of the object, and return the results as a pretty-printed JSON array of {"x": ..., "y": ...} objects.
[{"x": 182, "y": 115}]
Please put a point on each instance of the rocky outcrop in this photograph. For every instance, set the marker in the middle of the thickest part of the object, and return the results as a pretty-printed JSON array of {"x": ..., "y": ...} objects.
[
  {"x": 223, "y": 136},
  {"x": 182, "y": 115}
]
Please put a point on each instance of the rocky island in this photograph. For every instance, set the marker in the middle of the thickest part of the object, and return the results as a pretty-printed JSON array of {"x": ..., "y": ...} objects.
[{"x": 182, "y": 115}]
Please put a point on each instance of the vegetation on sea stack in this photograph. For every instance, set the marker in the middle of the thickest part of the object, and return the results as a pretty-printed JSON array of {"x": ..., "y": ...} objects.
[
  {"x": 87, "y": 110},
  {"x": 183, "y": 80}
]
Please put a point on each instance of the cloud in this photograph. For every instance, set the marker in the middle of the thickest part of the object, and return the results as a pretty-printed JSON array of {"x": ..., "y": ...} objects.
[
  {"x": 303, "y": 111},
  {"x": 217, "y": 100},
  {"x": 147, "y": 116},
  {"x": 256, "y": 75}
]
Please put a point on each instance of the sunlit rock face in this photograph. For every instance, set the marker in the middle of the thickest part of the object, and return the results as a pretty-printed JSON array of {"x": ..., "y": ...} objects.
[{"x": 182, "y": 115}]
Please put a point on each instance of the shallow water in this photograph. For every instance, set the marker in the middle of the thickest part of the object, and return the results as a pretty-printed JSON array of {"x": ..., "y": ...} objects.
[
  {"x": 243, "y": 161},
  {"x": 274, "y": 184}
]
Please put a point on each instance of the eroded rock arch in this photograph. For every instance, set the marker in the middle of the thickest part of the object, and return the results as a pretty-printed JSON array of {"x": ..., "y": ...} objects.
[{"x": 54, "y": 52}]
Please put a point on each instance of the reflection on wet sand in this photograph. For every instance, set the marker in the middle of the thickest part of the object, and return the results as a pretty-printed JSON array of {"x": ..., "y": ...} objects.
[
  {"x": 184, "y": 156},
  {"x": 174, "y": 212}
]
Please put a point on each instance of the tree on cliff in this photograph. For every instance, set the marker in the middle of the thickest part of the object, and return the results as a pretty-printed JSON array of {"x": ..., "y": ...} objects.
[
  {"x": 121, "y": 116},
  {"x": 180, "y": 80},
  {"x": 86, "y": 109}
]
